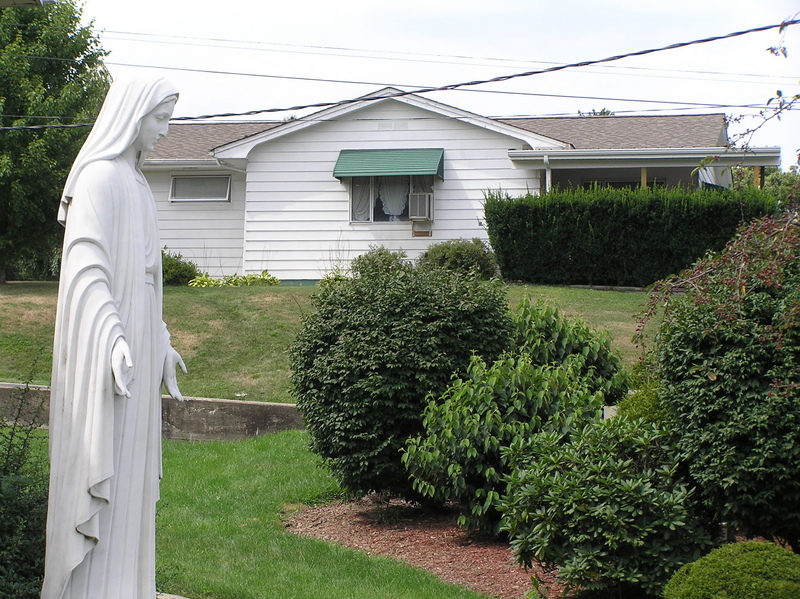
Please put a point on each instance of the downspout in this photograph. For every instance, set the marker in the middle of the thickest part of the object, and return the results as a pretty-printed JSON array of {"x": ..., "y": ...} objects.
[{"x": 223, "y": 164}]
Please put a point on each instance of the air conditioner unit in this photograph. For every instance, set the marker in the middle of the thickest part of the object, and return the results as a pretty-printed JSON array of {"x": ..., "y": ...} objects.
[{"x": 420, "y": 206}]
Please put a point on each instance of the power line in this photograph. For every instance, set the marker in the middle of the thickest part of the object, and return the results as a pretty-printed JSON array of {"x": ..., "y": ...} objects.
[
  {"x": 389, "y": 54},
  {"x": 455, "y": 86},
  {"x": 503, "y": 78}
]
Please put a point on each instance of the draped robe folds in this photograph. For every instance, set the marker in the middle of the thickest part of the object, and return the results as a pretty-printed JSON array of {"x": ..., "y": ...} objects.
[{"x": 105, "y": 449}]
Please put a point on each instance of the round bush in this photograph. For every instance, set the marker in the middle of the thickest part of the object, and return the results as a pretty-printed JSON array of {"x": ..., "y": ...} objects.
[
  {"x": 602, "y": 506},
  {"x": 381, "y": 340},
  {"x": 462, "y": 255},
  {"x": 727, "y": 354},
  {"x": 750, "y": 570},
  {"x": 176, "y": 270}
]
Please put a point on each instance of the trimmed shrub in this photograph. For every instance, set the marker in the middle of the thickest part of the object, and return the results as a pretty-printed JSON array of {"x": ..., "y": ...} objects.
[
  {"x": 604, "y": 236},
  {"x": 602, "y": 506},
  {"x": 176, "y": 270},
  {"x": 557, "y": 376},
  {"x": 727, "y": 354},
  {"x": 462, "y": 255},
  {"x": 750, "y": 570},
  {"x": 381, "y": 340}
]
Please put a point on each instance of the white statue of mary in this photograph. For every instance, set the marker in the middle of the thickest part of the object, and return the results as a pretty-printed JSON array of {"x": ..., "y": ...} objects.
[{"x": 112, "y": 353}]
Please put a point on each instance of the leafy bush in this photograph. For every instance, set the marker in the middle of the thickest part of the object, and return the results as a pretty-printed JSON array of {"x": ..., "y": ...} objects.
[
  {"x": 751, "y": 570},
  {"x": 602, "y": 506},
  {"x": 557, "y": 376},
  {"x": 380, "y": 341},
  {"x": 643, "y": 401},
  {"x": 460, "y": 457},
  {"x": 604, "y": 236},
  {"x": 727, "y": 353},
  {"x": 462, "y": 255},
  {"x": 251, "y": 280},
  {"x": 540, "y": 331},
  {"x": 175, "y": 270},
  {"x": 23, "y": 501}
]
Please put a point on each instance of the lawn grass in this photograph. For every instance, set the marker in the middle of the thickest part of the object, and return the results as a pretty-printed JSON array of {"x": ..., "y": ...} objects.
[
  {"x": 235, "y": 341},
  {"x": 220, "y": 533}
]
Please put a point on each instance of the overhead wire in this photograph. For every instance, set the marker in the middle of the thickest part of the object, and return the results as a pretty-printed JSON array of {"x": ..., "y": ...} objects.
[
  {"x": 454, "y": 86},
  {"x": 389, "y": 54},
  {"x": 502, "y": 78}
]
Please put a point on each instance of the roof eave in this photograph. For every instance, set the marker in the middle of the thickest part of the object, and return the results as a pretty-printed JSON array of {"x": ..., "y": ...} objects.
[{"x": 645, "y": 157}]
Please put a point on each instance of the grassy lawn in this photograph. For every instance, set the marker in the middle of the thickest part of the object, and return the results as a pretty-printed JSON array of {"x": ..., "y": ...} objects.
[
  {"x": 220, "y": 532},
  {"x": 235, "y": 340}
]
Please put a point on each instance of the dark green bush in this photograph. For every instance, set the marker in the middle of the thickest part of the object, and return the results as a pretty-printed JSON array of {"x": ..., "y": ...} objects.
[
  {"x": 602, "y": 506},
  {"x": 23, "y": 500},
  {"x": 380, "y": 341},
  {"x": 176, "y": 270},
  {"x": 750, "y": 570},
  {"x": 727, "y": 354},
  {"x": 604, "y": 236},
  {"x": 462, "y": 255},
  {"x": 557, "y": 376}
]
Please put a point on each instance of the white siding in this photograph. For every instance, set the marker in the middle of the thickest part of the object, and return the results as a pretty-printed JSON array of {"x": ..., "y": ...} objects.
[
  {"x": 297, "y": 215},
  {"x": 207, "y": 233}
]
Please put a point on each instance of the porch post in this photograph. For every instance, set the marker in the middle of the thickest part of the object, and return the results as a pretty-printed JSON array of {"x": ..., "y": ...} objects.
[
  {"x": 644, "y": 176},
  {"x": 758, "y": 176},
  {"x": 548, "y": 174}
]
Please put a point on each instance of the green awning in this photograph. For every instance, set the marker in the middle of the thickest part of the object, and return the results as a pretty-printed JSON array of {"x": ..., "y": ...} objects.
[{"x": 388, "y": 163}]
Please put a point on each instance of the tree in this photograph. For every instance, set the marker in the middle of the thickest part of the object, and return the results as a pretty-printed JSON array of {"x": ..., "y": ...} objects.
[
  {"x": 602, "y": 112},
  {"x": 51, "y": 73},
  {"x": 784, "y": 185}
]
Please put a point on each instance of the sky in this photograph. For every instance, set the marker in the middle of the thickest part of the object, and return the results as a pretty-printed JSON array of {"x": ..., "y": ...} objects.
[{"x": 235, "y": 57}]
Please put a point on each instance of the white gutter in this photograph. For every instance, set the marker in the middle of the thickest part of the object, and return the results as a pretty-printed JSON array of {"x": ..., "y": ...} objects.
[
  {"x": 186, "y": 164},
  {"x": 643, "y": 157}
]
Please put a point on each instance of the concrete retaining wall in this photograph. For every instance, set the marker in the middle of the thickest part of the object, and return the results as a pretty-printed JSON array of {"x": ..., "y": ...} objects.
[{"x": 194, "y": 419}]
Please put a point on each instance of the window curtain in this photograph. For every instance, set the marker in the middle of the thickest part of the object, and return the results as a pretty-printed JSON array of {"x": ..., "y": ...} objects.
[
  {"x": 393, "y": 192},
  {"x": 362, "y": 200},
  {"x": 421, "y": 184}
]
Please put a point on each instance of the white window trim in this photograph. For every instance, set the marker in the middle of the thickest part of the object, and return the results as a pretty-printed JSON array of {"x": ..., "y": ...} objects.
[
  {"x": 371, "y": 220},
  {"x": 225, "y": 199}
]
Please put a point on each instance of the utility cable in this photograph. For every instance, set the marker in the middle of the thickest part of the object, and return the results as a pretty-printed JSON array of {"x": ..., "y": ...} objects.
[{"x": 456, "y": 86}]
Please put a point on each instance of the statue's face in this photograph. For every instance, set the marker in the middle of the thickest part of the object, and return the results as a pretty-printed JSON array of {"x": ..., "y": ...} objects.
[{"x": 154, "y": 126}]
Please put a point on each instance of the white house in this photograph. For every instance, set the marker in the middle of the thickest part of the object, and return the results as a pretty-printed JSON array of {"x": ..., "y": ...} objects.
[{"x": 303, "y": 197}]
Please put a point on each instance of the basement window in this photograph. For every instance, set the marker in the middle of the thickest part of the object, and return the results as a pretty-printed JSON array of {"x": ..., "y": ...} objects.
[{"x": 200, "y": 188}]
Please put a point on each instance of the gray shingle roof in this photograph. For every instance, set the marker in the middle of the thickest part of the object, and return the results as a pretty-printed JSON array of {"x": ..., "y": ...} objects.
[
  {"x": 192, "y": 141},
  {"x": 628, "y": 132}
]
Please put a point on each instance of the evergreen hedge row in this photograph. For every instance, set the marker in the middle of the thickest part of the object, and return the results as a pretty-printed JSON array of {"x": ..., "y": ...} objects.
[{"x": 604, "y": 236}]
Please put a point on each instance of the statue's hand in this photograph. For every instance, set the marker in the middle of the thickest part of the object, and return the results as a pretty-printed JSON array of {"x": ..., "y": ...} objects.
[
  {"x": 121, "y": 367},
  {"x": 171, "y": 361}
]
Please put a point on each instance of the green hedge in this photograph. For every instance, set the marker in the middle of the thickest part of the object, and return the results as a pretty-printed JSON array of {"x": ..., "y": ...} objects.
[{"x": 603, "y": 236}]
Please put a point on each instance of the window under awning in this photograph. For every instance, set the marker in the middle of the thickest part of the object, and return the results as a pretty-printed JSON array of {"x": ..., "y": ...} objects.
[{"x": 389, "y": 163}]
